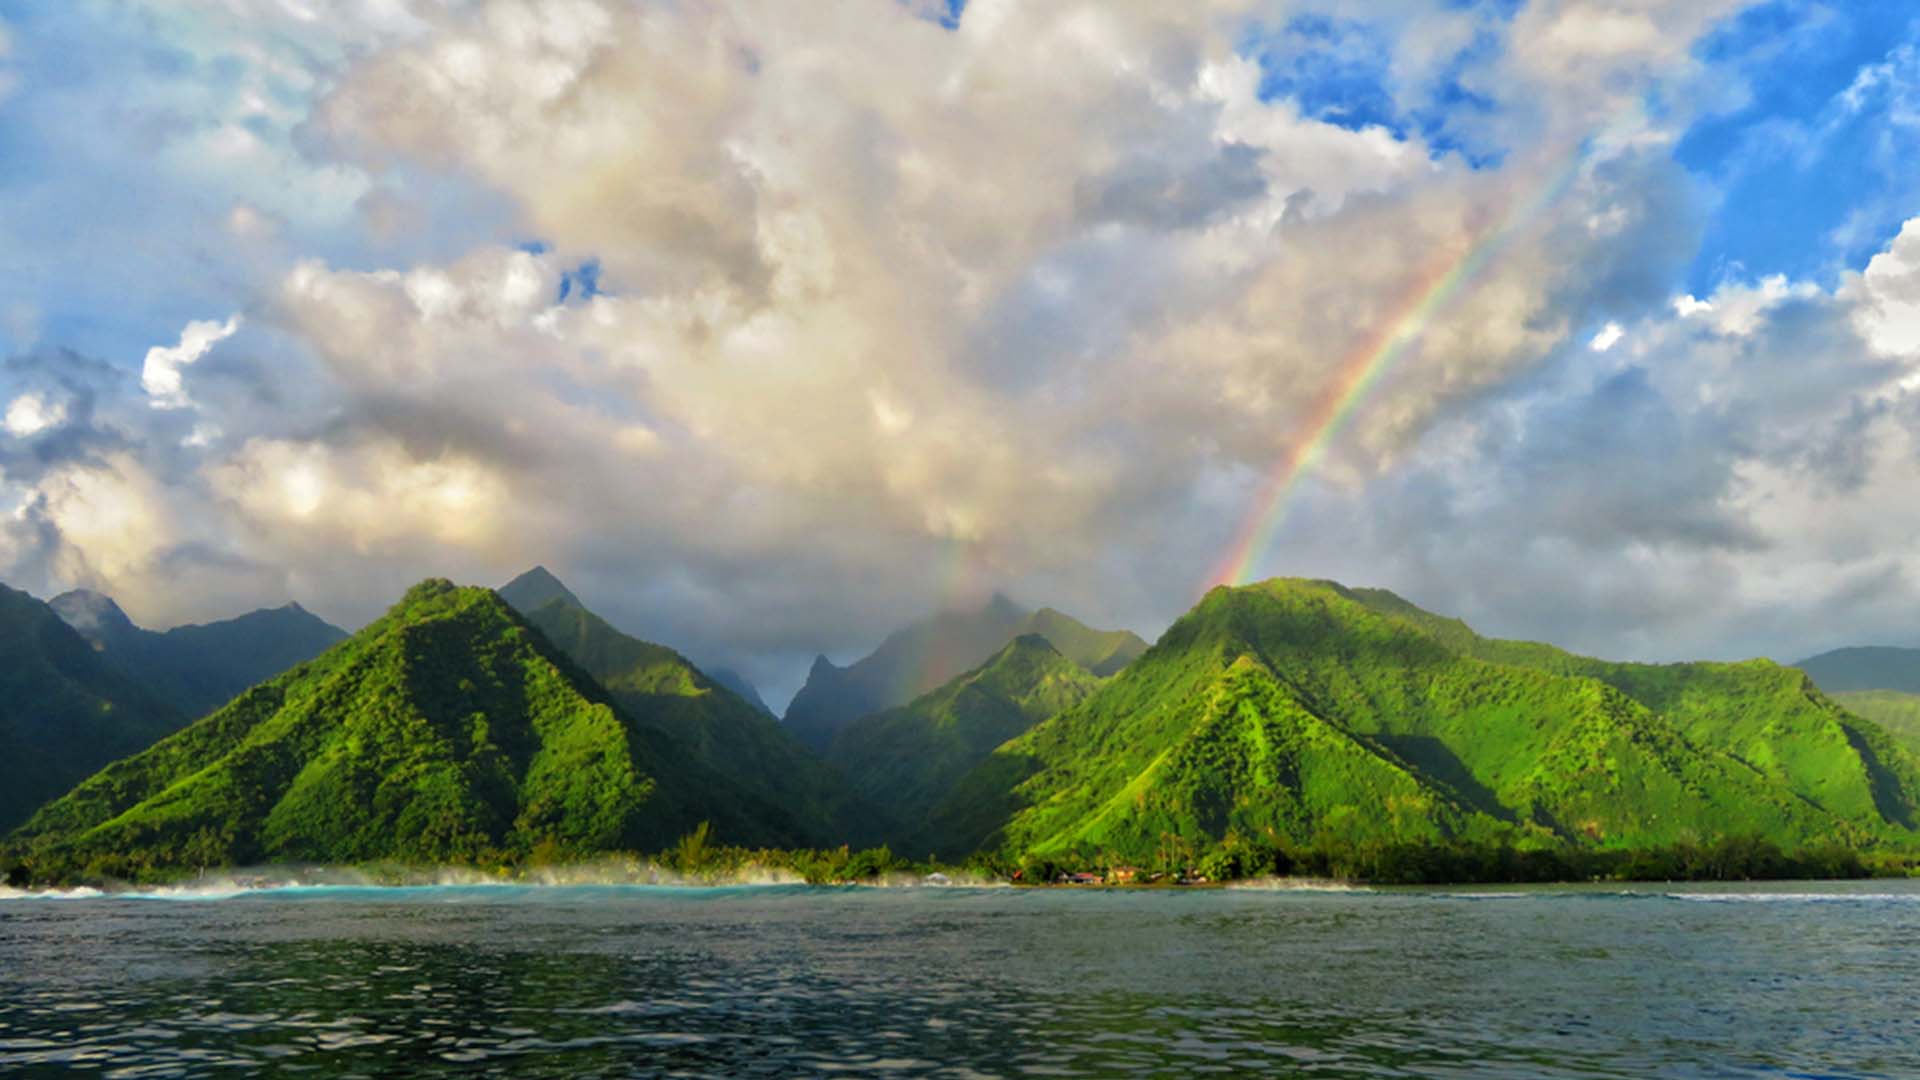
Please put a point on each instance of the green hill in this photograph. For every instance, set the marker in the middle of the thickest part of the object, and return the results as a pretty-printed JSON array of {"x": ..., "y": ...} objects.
[
  {"x": 447, "y": 730},
  {"x": 1898, "y": 713},
  {"x": 1867, "y": 667},
  {"x": 906, "y": 759},
  {"x": 1102, "y": 652},
  {"x": 1299, "y": 711},
  {"x": 64, "y": 711},
  {"x": 196, "y": 669},
  {"x": 718, "y": 729},
  {"x": 925, "y": 656}
]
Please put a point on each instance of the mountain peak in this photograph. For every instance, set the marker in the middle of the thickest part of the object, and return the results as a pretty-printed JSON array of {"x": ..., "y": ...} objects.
[
  {"x": 1002, "y": 605},
  {"x": 1028, "y": 642},
  {"x": 514, "y": 746},
  {"x": 535, "y": 589},
  {"x": 93, "y": 614}
]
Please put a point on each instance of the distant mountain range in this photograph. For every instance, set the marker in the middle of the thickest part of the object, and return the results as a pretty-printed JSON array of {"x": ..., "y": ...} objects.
[
  {"x": 468, "y": 725},
  {"x": 196, "y": 669},
  {"x": 64, "y": 710},
  {"x": 1871, "y": 667},
  {"x": 538, "y": 587},
  {"x": 742, "y": 686},
  {"x": 927, "y": 654}
]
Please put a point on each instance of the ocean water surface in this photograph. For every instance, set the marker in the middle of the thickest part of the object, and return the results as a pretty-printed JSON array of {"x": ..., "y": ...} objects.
[{"x": 587, "y": 981}]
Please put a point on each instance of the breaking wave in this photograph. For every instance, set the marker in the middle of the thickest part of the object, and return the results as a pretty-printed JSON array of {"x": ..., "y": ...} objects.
[
  {"x": 320, "y": 881},
  {"x": 1288, "y": 884}
]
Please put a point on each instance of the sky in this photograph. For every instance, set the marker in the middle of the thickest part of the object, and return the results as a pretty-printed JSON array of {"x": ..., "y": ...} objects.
[{"x": 770, "y": 327}]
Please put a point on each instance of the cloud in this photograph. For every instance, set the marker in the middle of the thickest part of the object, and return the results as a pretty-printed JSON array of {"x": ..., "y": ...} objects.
[
  {"x": 1887, "y": 293},
  {"x": 161, "y": 375},
  {"x": 31, "y": 414},
  {"x": 1733, "y": 477},
  {"x": 889, "y": 312}
]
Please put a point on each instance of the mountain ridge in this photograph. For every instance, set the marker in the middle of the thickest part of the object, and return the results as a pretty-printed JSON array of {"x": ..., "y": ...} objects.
[
  {"x": 1445, "y": 734},
  {"x": 717, "y": 727},
  {"x": 1865, "y": 667},
  {"x": 199, "y": 666},
  {"x": 924, "y": 655},
  {"x": 904, "y": 758},
  {"x": 64, "y": 711},
  {"x": 447, "y": 730}
]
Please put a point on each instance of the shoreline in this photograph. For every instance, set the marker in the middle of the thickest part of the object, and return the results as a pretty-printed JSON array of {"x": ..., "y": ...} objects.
[{"x": 320, "y": 882}]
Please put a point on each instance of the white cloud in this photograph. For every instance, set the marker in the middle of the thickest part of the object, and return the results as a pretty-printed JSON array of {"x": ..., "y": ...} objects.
[
  {"x": 1887, "y": 296},
  {"x": 1042, "y": 297},
  {"x": 161, "y": 375},
  {"x": 1737, "y": 308},
  {"x": 1741, "y": 483},
  {"x": 367, "y": 497},
  {"x": 31, "y": 414}
]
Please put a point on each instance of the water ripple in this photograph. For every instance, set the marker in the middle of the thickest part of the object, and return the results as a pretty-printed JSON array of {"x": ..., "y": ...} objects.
[{"x": 605, "y": 983}]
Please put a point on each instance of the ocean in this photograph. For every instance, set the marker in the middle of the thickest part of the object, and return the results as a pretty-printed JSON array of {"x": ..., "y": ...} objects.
[{"x": 1788, "y": 980}]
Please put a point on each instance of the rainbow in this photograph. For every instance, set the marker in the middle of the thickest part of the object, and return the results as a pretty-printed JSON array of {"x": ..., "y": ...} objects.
[
  {"x": 960, "y": 570},
  {"x": 1366, "y": 365}
]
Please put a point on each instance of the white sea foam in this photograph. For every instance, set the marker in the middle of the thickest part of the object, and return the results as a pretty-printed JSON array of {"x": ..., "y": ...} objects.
[
  {"x": 609, "y": 873},
  {"x": 1293, "y": 884}
]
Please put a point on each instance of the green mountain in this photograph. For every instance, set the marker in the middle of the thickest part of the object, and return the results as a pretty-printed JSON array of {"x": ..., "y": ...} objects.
[
  {"x": 447, "y": 730},
  {"x": 930, "y": 653},
  {"x": 536, "y": 589},
  {"x": 199, "y": 668},
  {"x": 1102, "y": 652},
  {"x": 1298, "y": 711},
  {"x": 719, "y": 729},
  {"x": 1897, "y": 712},
  {"x": 906, "y": 759},
  {"x": 1871, "y": 667},
  {"x": 64, "y": 711}
]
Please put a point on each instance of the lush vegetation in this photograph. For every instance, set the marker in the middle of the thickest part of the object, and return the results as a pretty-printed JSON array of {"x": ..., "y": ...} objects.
[
  {"x": 1893, "y": 710},
  {"x": 1734, "y": 858},
  {"x": 1291, "y": 727},
  {"x": 925, "y": 656},
  {"x": 448, "y": 731},
  {"x": 905, "y": 760},
  {"x": 713, "y": 725},
  {"x": 1305, "y": 715},
  {"x": 697, "y": 857},
  {"x": 197, "y": 669},
  {"x": 64, "y": 711}
]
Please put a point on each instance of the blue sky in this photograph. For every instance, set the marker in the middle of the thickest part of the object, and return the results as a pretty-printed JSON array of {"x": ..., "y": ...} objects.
[
  {"x": 745, "y": 321},
  {"x": 1805, "y": 177}
]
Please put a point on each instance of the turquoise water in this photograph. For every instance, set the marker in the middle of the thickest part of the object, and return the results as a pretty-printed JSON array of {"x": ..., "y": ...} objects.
[{"x": 1795, "y": 980}]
